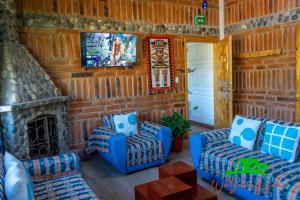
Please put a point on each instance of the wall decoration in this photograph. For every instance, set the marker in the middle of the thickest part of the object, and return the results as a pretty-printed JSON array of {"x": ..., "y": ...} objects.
[
  {"x": 199, "y": 20},
  {"x": 159, "y": 55}
]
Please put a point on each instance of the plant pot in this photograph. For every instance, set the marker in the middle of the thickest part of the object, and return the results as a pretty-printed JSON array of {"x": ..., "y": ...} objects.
[{"x": 177, "y": 144}]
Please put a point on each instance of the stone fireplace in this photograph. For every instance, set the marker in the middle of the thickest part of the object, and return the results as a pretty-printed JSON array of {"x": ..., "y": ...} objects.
[
  {"x": 42, "y": 136},
  {"x": 33, "y": 113}
]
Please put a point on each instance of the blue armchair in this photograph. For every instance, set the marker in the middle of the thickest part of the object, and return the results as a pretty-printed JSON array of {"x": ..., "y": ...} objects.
[{"x": 150, "y": 147}]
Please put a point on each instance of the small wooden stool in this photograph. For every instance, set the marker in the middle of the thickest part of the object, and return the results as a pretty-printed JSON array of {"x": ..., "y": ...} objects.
[
  {"x": 170, "y": 188},
  {"x": 180, "y": 170},
  {"x": 200, "y": 192},
  {"x": 177, "y": 180}
]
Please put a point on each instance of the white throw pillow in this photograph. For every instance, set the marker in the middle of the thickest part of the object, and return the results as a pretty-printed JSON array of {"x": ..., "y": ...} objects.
[
  {"x": 16, "y": 184},
  {"x": 126, "y": 123},
  {"x": 244, "y": 131},
  {"x": 10, "y": 160}
]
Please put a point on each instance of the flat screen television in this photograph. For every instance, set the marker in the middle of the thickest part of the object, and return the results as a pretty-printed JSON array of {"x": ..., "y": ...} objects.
[{"x": 108, "y": 49}]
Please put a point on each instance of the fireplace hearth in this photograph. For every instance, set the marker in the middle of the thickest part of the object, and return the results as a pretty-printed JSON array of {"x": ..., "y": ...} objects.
[{"x": 42, "y": 136}]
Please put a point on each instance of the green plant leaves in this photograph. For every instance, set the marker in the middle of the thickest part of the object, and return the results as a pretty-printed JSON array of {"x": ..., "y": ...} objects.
[{"x": 177, "y": 123}]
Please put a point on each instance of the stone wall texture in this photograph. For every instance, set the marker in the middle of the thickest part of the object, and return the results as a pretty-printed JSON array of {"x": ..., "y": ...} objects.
[
  {"x": 263, "y": 86},
  {"x": 50, "y": 30},
  {"x": 15, "y": 126}
]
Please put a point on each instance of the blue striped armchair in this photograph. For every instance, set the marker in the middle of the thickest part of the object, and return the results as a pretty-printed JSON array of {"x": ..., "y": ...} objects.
[{"x": 150, "y": 147}]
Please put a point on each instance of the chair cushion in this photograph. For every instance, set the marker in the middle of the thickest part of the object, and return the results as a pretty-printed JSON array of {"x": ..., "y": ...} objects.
[
  {"x": 17, "y": 185},
  {"x": 281, "y": 174},
  {"x": 143, "y": 148},
  {"x": 126, "y": 123},
  {"x": 244, "y": 131},
  {"x": 65, "y": 187},
  {"x": 280, "y": 140}
]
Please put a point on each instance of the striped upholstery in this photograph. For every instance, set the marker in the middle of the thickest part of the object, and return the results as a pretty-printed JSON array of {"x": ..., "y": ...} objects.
[
  {"x": 143, "y": 148},
  {"x": 99, "y": 140},
  {"x": 217, "y": 135},
  {"x": 218, "y": 158},
  {"x": 150, "y": 128},
  {"x": 65, "y": 187},
  {"x": 108, "y": 122},
  {"x": 2, "y": 172},
  {"x": 54, "y": 166}
]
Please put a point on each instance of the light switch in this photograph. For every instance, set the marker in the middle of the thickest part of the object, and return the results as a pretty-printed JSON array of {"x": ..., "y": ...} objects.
[{"x": 176, "y": 79}]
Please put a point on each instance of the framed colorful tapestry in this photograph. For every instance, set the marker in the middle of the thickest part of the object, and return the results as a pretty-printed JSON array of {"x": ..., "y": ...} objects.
[{"x": 159, "y": 55}]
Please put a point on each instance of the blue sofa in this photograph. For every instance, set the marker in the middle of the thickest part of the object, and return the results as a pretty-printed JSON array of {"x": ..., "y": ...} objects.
[
  {"x": 213, "y": 155},
  {"x": 56, "y": 177},
  {"x": 150, "y": 147}
]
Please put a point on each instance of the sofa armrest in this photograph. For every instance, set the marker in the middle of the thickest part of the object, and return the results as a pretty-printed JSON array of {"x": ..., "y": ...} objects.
[
  {"x": 99, "y": 140},
  {"x": 162, "y": 133},
  {"x": 151, "y": 128},
  {"x": 197, "y": 145},
  {"x": 199, "y": 141},
  {"x": 118, "y": 152},
  {"x": 216, "y": 135},
  {"x": 53, "y": 166}
]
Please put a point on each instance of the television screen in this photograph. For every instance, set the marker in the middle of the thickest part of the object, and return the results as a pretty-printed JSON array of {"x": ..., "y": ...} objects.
[{"x": 108, "y": 49}]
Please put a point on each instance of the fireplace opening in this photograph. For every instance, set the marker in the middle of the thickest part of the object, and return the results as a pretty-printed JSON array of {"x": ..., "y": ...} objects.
[{"x": 43, "y": 136}]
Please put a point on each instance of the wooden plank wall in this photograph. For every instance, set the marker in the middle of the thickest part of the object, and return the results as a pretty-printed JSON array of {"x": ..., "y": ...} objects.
[
  {"x": 111, "y": 89},
  {"x": 263, "y": 86}
]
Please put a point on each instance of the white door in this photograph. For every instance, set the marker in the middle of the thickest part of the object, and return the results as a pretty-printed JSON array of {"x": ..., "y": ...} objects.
[{"x": 200, "y": 82}]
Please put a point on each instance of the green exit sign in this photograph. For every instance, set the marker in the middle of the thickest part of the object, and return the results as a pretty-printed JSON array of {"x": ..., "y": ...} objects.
[{"x": 199, "y": 20}]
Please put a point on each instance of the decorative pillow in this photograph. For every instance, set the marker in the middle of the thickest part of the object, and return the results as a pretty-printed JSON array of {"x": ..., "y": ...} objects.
[
  {"x": 17, "y": 185},
  {"x": 281, "y": 140},
  {"x": 126, "y": 123},
  {"x": 244, "y": 131},
  {"x": 11, "y": 162}
]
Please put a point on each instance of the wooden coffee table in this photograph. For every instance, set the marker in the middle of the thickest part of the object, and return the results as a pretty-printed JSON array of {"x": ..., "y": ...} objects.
[
  {"x": 170, "y": 188},
  {"x": 174, "y": 176},
  {"x": 180, "y": 170}
]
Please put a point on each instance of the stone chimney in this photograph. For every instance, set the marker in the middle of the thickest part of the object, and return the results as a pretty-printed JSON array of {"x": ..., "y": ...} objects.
[{"x": 26, "y": 91}]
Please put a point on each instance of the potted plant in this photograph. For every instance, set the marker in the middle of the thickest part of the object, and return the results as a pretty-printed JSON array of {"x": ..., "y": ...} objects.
[{"x": 179, "y": 127}]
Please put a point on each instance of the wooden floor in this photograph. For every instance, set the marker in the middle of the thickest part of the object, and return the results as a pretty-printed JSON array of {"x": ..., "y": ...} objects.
[{"x": 109, "y": 184}]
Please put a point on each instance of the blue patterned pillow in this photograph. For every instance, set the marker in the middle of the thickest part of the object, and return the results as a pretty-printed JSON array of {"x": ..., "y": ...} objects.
[
  {"x": 244, "y": 131},
  {"x": 126, "y": 123},
  {"x": 281, "y": 140}
]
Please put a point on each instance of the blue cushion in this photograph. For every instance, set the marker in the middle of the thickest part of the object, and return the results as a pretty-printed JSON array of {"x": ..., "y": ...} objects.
[
  {"x": 281, "y": 140},
  {"x": 17, "y": 185},
  {"x": 11, "y": 162},
  {"x": 244, "y": 131},
  {"x": 126, "y": 123}
]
